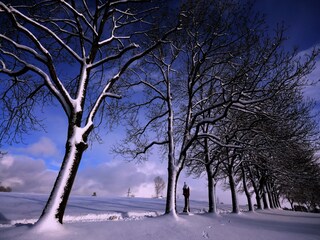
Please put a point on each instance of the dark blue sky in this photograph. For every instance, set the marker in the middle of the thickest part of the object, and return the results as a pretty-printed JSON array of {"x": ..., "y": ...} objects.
[{"x": 302, "y": 17}]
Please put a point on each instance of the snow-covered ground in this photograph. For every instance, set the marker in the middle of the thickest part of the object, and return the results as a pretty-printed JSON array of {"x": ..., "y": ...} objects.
[{"x": 102, "y": 218}]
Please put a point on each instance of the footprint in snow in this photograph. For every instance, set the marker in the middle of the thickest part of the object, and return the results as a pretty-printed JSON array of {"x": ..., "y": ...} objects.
[{"x": 205, "y": 234}]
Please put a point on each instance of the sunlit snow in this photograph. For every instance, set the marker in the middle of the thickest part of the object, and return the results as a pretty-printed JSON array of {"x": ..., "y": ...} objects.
[{"x": 103, "y": 218}]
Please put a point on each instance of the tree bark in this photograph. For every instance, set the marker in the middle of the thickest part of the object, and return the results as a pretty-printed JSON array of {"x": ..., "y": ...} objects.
[
  {"x": 264, "y": 198},
  {"x": 274, "y": 199},
  {"x": 278, "y": 201},
  {"x": 245, "y": 188},
  {"x": 232, "y": 184},
  {"x": 211, "y": 191},
  {"x": 291, "y": 204},
  {"x": 171, "y": 206},
  {"x": 269, "y": 194},
  {"x": 256, "y": 190},
  {"x": 57, "y": 202},
  {"x": 258, "y": 199}
]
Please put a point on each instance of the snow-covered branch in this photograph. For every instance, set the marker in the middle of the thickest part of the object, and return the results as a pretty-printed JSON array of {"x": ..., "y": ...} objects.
[
  {"x": 80, "y": 15},
  {"x": 122, "y": 70},
  {"x": 15, "y": 13},
  {"x": 118, "y": 55},
  {"x": 24, "y": 48}
]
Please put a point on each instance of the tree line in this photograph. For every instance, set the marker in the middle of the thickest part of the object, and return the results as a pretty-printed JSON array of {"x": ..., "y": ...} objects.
[
  {"x": 205, "y": 82},
  {"x": 226, "y": 101}
]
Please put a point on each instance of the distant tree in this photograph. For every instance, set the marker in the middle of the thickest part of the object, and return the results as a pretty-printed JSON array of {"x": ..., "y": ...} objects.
[
  {"x": 129, "y": 192},
  {"x": 5, "y": 189},
  {"x": 159, "y": 185}
]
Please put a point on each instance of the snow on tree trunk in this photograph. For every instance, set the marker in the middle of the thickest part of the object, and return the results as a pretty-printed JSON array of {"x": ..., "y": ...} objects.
[
  {"x": 52, "y": 215},
  {"x": 171, "y": 191},
  {"x": 173, "y": 172},
  {"x": 211, "y": 191}
]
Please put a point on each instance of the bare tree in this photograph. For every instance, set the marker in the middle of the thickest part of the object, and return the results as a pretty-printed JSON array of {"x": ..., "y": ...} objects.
[
  {"x": 211, "y": 66},
  {"x": 4, "y": 188},
  {"x": 159, "y": 185},
  {"x": 203, "y": 156},
  {"x": 191, "y": 61},
  {"x": 261, "y": 72},
  {"x": 70, "y": 53}
]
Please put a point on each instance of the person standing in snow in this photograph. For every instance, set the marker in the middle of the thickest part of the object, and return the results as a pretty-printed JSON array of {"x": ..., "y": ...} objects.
[{"x": 186, "y": 194}]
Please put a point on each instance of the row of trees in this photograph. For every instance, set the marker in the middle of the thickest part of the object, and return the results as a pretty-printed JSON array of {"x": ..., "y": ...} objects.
[
  {"x": 224, "y": 98},
  {"x": 216, "y": 92}
]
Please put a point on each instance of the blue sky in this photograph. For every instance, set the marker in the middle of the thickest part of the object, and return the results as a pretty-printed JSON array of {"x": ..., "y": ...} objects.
[
  {"x": 33, "y": 166},
  {"x": 300, "y": 16}
]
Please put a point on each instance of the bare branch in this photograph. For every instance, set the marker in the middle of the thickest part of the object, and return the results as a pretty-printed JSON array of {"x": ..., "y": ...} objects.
[{"x": 146, "y": 148}]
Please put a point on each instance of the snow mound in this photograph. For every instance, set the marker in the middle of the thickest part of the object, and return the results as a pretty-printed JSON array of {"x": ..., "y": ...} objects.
[{"x": 112, "y": 216}]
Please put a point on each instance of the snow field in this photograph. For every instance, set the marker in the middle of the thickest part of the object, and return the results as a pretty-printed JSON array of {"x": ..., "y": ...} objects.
[{"x": 102, "y": 218}]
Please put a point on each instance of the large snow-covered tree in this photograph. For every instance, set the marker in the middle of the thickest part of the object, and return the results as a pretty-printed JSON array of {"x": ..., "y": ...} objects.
[{"x": 71, "y": 53}]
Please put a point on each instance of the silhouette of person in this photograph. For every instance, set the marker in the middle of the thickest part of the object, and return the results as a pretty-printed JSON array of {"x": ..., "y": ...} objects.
[{"x": 186, "y": 194}]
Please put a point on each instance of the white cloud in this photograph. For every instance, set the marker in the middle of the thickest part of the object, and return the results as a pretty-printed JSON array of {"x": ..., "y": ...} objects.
[
  {"x": 145, "y": 190},
  {"x": 13, "y": 182},
  {"x": 44, "y": 147},
  {"x": 7, "y": 161},
  {"x": 116, "y": 177},
  {"x": 26, "y": 174}
]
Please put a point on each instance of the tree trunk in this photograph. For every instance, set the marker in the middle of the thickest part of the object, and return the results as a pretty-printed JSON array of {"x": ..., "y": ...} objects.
[
  {"x": 278, "y": 201},
  {"x": 57, "y": 202},
  {"x": 211, "y": 191},
  {"x": 258, "y": 199},
  {"x": 269, "y": 193},
  {"x": 232, "y": 184},
  {"x": 245, "y": 188},
  {"x": 275, "y": 197},
  {"x": 171, "y": 191},
  {"x": 256, "y": 190},
  {"x": 291, "y": 204},
  {"x": 173, "y": 172},
  {"x": 275, "y": 200},
  {"x": 264, "y": 199}
]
